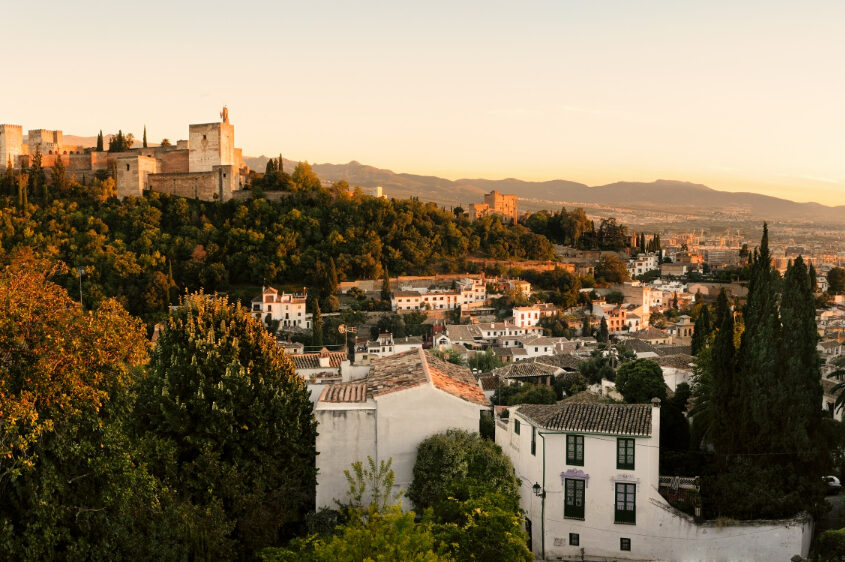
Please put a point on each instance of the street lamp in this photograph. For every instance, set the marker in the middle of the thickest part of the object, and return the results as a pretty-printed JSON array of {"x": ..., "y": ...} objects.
[
  {"x": 538, "y": 490},
  {"x": 81, "y": 271}
]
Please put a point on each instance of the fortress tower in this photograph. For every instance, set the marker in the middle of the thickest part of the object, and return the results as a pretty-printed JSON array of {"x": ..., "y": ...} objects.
[
  {"x": 211, "y": 144},
  {"x": 11, "y": 144},
  {"x": 45, "y": 141}
]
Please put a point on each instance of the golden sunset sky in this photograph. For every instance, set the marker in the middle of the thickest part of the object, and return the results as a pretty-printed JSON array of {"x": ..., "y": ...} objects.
[{"x": 741, "y": 96}]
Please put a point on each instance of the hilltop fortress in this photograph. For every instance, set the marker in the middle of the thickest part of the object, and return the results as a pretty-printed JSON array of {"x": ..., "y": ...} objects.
[{"x": 207, "y": 166}]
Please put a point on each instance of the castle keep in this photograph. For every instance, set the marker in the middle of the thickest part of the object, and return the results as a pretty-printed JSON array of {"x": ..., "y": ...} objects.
[{"x": 207, "y": 166}]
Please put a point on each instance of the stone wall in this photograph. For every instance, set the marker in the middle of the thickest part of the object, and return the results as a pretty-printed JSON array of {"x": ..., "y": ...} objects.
[
  {"x": 215, "y": 185},
  {"x": 133, "y": 173},
  {"x": 11, "y": 142}
]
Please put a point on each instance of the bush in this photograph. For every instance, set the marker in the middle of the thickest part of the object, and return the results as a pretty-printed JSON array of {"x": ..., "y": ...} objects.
[
  {"x": 830, "y": 545},
  {"x": 461, "y": 465}
]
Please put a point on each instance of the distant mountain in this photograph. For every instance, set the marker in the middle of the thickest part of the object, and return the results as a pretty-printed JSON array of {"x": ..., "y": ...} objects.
[{"x": 660, "y": 194}]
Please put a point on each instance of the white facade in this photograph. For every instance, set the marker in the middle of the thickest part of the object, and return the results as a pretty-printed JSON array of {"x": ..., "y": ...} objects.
[
  {"x": 652, "y": 529},
  {"x": 643, "y": 263},
  {"x": 468, "y": 291},
  {"x": 287, "y": 309},
  {"x": 389, "y": 422}
]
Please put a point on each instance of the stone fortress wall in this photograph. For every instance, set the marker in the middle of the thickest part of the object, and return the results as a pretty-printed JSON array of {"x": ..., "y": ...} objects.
[{"x": 207, "y": 166}]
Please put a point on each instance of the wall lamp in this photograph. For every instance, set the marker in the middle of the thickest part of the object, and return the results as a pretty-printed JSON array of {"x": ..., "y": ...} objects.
[{"x": 538, "y": 490}]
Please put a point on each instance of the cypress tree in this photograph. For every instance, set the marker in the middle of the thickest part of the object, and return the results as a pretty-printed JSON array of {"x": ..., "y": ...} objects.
[
  {"x": 586, "y": 328},
  {"x": 332, "y": 278},
  {"x": 281, "y": 165},
  {"x": 270, "y": 167},
  {"x": 603, "y": 335},
  {"x": 723, "y": 379},
  {"x": 814, "y": 282},
  {"x": 385, "y": 286},
  {"x": 59, "y": 179},
  {"x": 100, "y": 141},
  {"x": 317, "y": 325},
  {"x": 145, "y": 136},
  {"x": 702, "y": 330}
]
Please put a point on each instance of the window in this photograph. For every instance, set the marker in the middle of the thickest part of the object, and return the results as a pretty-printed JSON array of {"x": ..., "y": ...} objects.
[
  {"x": 516, "y": 426},
  {"x": 625, "y": 453},
  {"x": 575, "y": 450},
  {"x": 624, "y": 544},
  {"x": 626, "y": 504},
  {"x": 574, "y": 539},
  {"x": 533, "y": 440},
  {"x": 573, "y": 506}
]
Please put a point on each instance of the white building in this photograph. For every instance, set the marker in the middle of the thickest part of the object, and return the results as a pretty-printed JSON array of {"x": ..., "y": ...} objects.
[
  {"x": 287, "y": 309},
  {"x": 590, "y": 480},
  {"x": 643, "y": 263},
  {"x": 405, "y": 399},
  {"x": 531, "y": 315},
  {"x": 386, "y": 345},
  {"x": 467, "y": 291}
]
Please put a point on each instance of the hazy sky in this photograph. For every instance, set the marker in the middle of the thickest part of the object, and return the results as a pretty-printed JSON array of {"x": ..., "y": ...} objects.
[{"x": 743, "y": 97}]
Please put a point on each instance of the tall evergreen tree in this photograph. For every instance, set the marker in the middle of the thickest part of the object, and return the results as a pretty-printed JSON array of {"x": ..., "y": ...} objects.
[
  {"x": 814, "y": 282},
  {"x": 100, "y": 141},
  {"x": 270, "y": 167},
  {"x": 145, "y": 137},
  {"x": 702, "y": 330},
  {"x": 385, "y": 286},
  {"x": 281, "y": 164},
  {"x": 59, "y": 177},
  {"x": 317, "y": 325},
  {"x": 603, "y": 335},
  {"x": 723, "y": 379},
  {"x": 37, "y": 181}
]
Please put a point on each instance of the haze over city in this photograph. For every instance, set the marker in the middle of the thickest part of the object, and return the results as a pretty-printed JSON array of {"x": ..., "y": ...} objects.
[{"x": 741, "y": 98}]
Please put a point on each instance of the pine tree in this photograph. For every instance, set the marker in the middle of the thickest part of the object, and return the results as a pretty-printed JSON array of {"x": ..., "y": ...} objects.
[
  {"x": 23, "y": 186},
  {"x": 281, "y": 164},
  {"x": 814, "y": 282},
  {"x": 701, "y": 331},
  {"x": 586, "y": 328},
  {"x": 37, "y": 181},
  {"x": 270, "y": 167},
  {"x": 317, "y": 325},
  {"x": 332, "y": 278},
  {"x": 100, "y": 141},
  {"x": 145, "y": 136}
]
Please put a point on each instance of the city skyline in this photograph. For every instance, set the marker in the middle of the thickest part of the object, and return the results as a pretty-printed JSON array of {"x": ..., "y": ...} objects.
[{"x": 734, "y": 97}]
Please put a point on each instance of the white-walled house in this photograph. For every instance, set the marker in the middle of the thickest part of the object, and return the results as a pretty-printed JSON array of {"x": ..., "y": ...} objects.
[
  {"x": 531, "y": 315},
  {"x": 589, "y": 477},
  {"x": 287, "y": 309},
  {"x": 405, "y": 399},
  {"x": 386, "y": 345}
]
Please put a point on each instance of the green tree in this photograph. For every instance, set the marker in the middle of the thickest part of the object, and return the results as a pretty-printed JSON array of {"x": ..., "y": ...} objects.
[
  {"x": 568, "y": 384},
  {"x": 702, "y": 330},
  {"x": 230, "y": 425},
  {"x": 316, "y": 324},
  {"x": 611, "y": 269},
  {"x": 532, "y": 394},
  {"x": 100, "y": 141},
  {"x": 640, "y": 380},
  {"x": 59, "y": 178},
  {"x": 836, "y": 281},
  {"x": 304, "y": 178},
  {"x": 484, "y": 361},
  {"x": 72, "y": 484},
  {"x": 145, "y": 137},
  {"x": 386, "y": 293},
  {"x": 603, "y": 336},
  {"x": 461, "y": 465}
]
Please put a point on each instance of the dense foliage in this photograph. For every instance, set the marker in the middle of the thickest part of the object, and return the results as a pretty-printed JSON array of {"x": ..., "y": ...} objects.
[
  {"x": 460, "y": 465},
  {"x": 640, "y": 380},
  {"x": 230, "y": 425},
  {"x": 145, "y": 251},
  {"x": 761, "y": 401}
]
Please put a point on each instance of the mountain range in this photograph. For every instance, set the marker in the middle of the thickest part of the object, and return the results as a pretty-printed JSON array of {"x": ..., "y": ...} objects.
[{"x": 660, "y": 194}]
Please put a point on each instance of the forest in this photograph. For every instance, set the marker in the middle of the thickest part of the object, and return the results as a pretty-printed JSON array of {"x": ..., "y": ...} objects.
[{"x": 146, "y": 251}]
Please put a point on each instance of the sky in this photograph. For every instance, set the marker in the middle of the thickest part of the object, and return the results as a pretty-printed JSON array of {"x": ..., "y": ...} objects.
[{"x": 740, "y": 96}]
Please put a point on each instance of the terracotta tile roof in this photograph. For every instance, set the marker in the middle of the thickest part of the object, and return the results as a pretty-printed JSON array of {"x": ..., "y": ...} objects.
[
  {"x": 561, "y": 360},
  {"x": 312, "y": 360},
  {"x": 650, "y": 333},
  {"x": 525, "y": 369},
  {"x": 461, "y": 332},
  {"x": 680, "y": 361},
  {"x": 488, "y": 382},
  {"x": 408, "y": 370},
  {"x": 347, "y": 392},
  {"x": 454, "y": 379},
  {"x": 614, "y": 419},
  {"x": 638, "y": 346},
  {"x": 673, "y": 349},
  {"x": 587, "y": 397}
]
